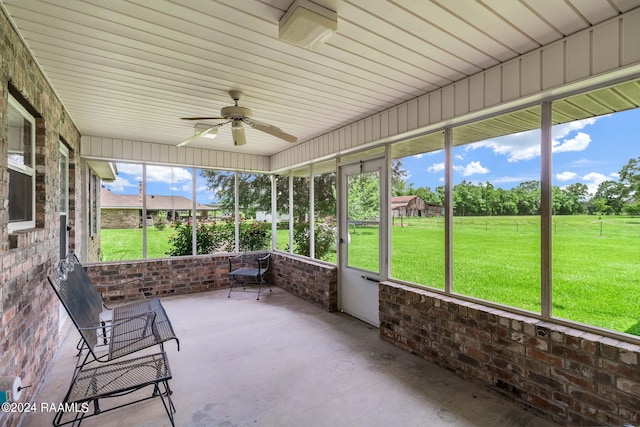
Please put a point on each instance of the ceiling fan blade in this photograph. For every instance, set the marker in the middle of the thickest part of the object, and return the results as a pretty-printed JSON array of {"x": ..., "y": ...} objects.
[
  {"x": 202, "y": 118},
  {"x": 197, "y": 135},
  {"x": 271, "y": 130},
  {"x": 237, "y": 131}
]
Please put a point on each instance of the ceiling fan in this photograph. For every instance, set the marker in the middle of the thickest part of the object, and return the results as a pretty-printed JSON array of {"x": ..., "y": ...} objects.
[{"x": 238, "y": 116}]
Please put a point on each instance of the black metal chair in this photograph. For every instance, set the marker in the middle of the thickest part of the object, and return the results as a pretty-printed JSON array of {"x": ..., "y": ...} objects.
[{"x": 249, "y": 269}]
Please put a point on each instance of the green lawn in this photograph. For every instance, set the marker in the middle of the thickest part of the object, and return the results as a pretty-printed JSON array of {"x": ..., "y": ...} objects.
[{"x": 596, "y": 266}]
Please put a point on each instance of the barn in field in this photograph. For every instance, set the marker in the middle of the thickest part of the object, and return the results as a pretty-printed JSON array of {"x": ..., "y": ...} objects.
[{"x": 403, "y": 206}]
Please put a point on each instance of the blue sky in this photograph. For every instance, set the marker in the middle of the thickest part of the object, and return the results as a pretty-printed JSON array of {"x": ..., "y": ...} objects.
[{"x": 588, "y": 151}]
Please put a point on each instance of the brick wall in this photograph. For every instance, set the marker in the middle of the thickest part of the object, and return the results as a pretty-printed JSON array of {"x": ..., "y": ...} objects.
[
  {"x": 125, "y": 280},
  {"x": 119, "y": 218},
  {"x": 121, "y": 281},
  {"x": 29, "y": 335},
  {"x": 574, "y": 377},
  {"x": 314, "y": 282}
]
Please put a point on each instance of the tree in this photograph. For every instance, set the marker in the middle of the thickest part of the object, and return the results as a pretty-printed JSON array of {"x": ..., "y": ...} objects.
[
  {"x": 630, "y": 177},
  {"x": 612, "y": 193},
  {"x": 255, "y": 191},
  {"x": 398, "y": 178},
  {"x": 363, "y": 197}
]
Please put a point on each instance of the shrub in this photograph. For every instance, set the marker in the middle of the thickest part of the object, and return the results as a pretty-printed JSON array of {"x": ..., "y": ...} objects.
[
  {"x": 160, "y": 220},
  {"x": 324, "y": 242},
  {"x": 254, "y": 235},
  {"x": 218, "y": 237}
]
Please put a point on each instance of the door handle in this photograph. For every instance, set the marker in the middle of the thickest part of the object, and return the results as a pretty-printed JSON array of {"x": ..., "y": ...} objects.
[{"x": 371, "y": 279}]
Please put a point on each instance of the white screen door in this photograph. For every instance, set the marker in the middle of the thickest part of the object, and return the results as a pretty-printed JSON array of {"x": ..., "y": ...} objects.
[{"x": 360, "y": 239}]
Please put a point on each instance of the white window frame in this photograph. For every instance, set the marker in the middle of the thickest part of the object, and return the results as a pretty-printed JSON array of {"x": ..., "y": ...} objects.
[{"x": 27, "y": 170}]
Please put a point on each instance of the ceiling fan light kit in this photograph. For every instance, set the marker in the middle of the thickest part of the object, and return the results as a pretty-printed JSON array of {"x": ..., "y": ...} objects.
[
  {"x": 307, "y": 24},
  {"x": 211, "y": 132}
]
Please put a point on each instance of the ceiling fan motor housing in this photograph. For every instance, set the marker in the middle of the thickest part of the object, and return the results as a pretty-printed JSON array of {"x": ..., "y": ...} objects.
[{"x": 235, "y": 112}]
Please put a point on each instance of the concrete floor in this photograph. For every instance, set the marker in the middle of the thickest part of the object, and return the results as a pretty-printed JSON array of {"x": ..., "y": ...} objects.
[{"x": 283, "y": 362}]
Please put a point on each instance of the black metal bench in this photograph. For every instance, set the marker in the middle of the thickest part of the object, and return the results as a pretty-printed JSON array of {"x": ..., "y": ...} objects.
[
  {"x": 132, "y": 327},
  {"x": 93, "y": 384},
  {"x": 249, "y": 269}
]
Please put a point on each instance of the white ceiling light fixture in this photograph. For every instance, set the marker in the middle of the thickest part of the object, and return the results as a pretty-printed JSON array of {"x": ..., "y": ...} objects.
[
  {"x": 308, "y": 24},
  {"x": 212, "y": 131}
]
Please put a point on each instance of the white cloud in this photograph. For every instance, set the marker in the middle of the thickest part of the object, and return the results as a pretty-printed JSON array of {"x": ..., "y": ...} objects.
[
  {"x": 129, "y": 169},
  {"x": 119, "y": 185},
  {"x": 510, "y": 179},
  {"x": 167, "y": 175},
  {"x": 593, "y": 181},
  {"x": 526, "y": 145},
  {"x": 436, "y": 167},
  {"x": 473, "y": 168},
  {"x": 418, "y": 156},
  {"x": 566, "y": 176},
  {"x": 459, "y": 156},
  {"x": 578, "y": 143}
]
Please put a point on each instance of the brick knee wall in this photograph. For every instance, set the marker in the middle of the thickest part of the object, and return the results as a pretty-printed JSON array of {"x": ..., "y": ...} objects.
[
  {"x": 122, "y": 281},
  {"x": 571, "y": 376},
  {"x": 315, "y": 282}
]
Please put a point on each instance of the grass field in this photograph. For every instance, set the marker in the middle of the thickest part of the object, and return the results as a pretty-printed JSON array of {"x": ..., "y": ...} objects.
[{"x": 596, "y": 262}]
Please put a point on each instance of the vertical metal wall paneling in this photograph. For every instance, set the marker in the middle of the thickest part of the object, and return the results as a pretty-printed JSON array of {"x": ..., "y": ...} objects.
[
  {"x": 106, "y": 148},
  {"x": 493, "y": 86},
  {"x": 553, "y": 65},
  {"x": 403, "y": 117},
  {"x": 631, "y": 38},
  {"x": 606, "y": 47},
  {"x": 362, "y": 133},
  {"x": 461, "y": 97},
  {"x": 476, "y": 92},
  {"x": 375, "y": 127},
  {"x": 423, "y": 110},
  {"x": 448, "y": 102},
  {"x": 96, "y": 146},
  {"x": 173, "y": 153},
  {"x": 393, "y": 120},
  {"x": 127, "y": 150},
  {"x": 368, "y": 129},
  {"x": 530, "y": 73},
  {"x": 578, "y": 56},
  {"x": 435, "y": 106},
  {"x": 384, "y": 124},
  {"x": 164, "y": 154},
  {"x": 511, "y": 80},
  {"x": 412, "y": 114},
  {"x": 117, "y": 149},
  {"x": 155, "y": 153},
  {"x": 146, "y": 151}
]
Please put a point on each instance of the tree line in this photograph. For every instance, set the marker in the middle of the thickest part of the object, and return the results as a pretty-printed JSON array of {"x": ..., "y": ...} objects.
[{"x": 612, "y": 197}]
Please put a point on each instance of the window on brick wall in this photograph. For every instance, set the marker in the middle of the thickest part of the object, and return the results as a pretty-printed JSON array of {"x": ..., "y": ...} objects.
[{"x": 21, "y": 164}]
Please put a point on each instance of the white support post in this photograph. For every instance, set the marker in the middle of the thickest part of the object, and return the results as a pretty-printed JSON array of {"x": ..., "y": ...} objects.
[
  {"x": 448, "y": 210},
  {"x": 546, "y": 208}
]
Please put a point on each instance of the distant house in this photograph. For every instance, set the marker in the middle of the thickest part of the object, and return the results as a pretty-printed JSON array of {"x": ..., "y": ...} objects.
[
  {"x": 404, "y": 206},
  {"x": 125, "y": 210}
]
